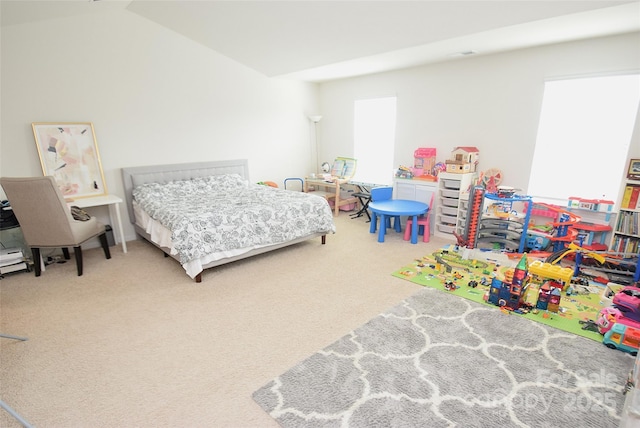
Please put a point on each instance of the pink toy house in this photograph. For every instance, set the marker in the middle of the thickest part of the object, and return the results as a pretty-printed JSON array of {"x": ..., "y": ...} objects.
[{"x": 424, "y": 161}]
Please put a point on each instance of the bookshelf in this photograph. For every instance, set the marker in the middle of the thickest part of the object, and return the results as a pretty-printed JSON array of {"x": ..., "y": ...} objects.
[{"x": 626, "y": 233}]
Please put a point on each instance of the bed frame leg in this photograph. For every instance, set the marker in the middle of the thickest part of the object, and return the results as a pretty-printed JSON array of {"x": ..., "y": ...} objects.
[
  {"x": 324, "y": 239},
  {"x": 198, "y": 277}
]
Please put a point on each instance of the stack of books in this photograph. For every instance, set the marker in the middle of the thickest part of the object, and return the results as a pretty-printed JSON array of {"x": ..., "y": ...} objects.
[{"x": 12, "y": 260}]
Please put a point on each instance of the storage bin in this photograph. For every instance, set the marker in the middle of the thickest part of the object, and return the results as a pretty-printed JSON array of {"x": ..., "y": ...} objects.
[
  {"x": 449, "y": 193},
  {"x": 449, "y": 202},
  {"x": 449, "y": 210},
  {"x": 446, "y": 228},
  {"x": 451, "y": 184},
  {"x": 448, "y": 219},
  {"x": 346, "y": 207}
]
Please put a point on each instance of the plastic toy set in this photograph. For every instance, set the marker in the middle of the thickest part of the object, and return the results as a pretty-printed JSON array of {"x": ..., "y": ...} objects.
[{"x": 570, "y": 262}]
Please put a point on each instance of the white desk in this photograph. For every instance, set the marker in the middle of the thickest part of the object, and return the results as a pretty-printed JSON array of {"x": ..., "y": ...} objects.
[{"x": 113, "y": 202}]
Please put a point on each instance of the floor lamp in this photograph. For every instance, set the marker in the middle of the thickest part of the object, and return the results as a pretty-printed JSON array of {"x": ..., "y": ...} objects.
[
  {"x": 4, "y": 405},
  {"x": 315, "y": 120}
]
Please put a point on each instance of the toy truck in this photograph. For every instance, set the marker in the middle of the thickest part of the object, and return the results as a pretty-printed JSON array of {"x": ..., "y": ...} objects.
[{"x": 623, "y": 337}]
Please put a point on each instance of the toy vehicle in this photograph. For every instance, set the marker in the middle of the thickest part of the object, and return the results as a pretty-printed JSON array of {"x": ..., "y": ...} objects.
[
  {"x": 610, "y": 316},
  {"x": 623, "y": 337},
  {"x": 450, "y": 286},
  {"x": 627, "y": 301}
]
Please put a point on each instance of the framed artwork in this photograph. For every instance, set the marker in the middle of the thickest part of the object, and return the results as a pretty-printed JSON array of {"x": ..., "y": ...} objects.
[
  {"x": 69, "y": 152},
  {"x": 634, "y": 169}
]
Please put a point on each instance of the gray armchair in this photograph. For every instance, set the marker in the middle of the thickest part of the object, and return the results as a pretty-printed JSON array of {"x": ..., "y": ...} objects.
[{"x": 46, "y": 219}]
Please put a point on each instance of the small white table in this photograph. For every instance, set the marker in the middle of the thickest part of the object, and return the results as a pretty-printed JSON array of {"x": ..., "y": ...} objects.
[{"x": 113, "y": 202}]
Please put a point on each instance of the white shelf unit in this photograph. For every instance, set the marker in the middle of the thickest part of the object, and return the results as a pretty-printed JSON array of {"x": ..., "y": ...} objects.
[
  {"x": 626, "y": 231},
  {"x": 417, "y": 190},
  {"x": 453, "y": 197}
]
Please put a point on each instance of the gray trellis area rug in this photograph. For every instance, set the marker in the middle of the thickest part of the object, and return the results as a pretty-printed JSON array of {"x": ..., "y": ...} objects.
[{"x": 436, "y": 360}]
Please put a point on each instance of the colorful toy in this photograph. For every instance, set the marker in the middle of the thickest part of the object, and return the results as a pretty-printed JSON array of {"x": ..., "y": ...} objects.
[
  {"x": 511, "y": 291},
  {"x": 623, "y": 337},
  {"x": 476, "y": 199},
  {"x": 610, "y": 316},
  {"x": 550, "y": 271},
  {"x": 450, "y": 286},
  {"x": 464, "y": 159},
  {"x": 404, "y": 172},
  {"x": 549, "y": 296},
  {"x": 493, "y": 176},
  {"x": 627, "y": 301},
  {"x": 424, "y": 163}
]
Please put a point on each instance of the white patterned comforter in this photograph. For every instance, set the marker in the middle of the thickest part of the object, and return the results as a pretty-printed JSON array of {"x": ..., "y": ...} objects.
[{"x": 226, "y": 213}]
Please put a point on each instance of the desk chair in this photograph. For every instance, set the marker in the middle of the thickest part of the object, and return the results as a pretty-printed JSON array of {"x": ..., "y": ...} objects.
[
  {"x": 382, "y": 194},
  {"x": 46, "y": 220},
  {"x": 424, "y": 223}
]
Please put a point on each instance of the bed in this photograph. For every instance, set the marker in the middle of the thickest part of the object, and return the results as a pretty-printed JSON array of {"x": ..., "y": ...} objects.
[{"x": 207, "y": 214}]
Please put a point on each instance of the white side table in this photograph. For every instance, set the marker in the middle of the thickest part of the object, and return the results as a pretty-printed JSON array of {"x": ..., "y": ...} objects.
[{"x": 113, "y": 202}]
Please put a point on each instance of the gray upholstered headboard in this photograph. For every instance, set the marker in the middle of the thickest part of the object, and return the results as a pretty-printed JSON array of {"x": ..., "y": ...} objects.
[{"x": 134, "y": 176}]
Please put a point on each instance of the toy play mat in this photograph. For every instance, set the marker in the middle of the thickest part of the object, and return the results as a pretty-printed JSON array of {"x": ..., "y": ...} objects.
[{"x": 583, "y": 304}]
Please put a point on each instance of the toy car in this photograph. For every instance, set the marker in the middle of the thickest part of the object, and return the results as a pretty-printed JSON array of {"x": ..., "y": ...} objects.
[
  {"x": 627, "y": 301},
  {"x": 623, "y": 337},
  {"x": 450, "y": 286}
]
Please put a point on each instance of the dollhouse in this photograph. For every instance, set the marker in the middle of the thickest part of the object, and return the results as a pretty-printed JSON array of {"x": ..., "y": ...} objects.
[{"x": 464, "y": 159}]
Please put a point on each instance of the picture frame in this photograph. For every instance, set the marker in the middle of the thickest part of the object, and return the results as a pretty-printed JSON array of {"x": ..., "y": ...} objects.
[
  {"x": 68, "y": 151},
  {"x": 633, "y": 173}
]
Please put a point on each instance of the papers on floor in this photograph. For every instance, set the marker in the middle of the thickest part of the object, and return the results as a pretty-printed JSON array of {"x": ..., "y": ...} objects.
[{"x": 12, "y": 260}]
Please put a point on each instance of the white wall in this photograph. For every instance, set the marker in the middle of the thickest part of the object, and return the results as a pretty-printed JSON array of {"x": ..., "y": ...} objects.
[
  {"x": 490, "y": 102},
  {"x": 153, "y": 96},
  {"x": 157, "y": 97}
]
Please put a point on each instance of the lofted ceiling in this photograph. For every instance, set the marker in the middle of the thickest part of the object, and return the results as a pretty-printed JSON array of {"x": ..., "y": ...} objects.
[{"x": 330, "y": 39}]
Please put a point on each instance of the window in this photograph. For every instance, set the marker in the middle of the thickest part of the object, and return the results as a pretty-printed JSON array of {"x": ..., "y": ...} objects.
[
  {"x": 583, "y": 137},
  {"x": 374, "y": 132}
]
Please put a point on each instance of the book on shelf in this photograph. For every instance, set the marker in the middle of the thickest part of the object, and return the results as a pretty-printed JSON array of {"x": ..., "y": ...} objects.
[
  {"x": 626, "y": 196},
  {"x": 626, "y": 245},
  {"x": 631, "y": 197},
  {"x": 628, "y": 223},
  {"x": 633, "y": 202}
]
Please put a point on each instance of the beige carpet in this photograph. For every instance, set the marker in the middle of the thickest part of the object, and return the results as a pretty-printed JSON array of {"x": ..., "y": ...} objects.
[{"x": 134, "y": 342}]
